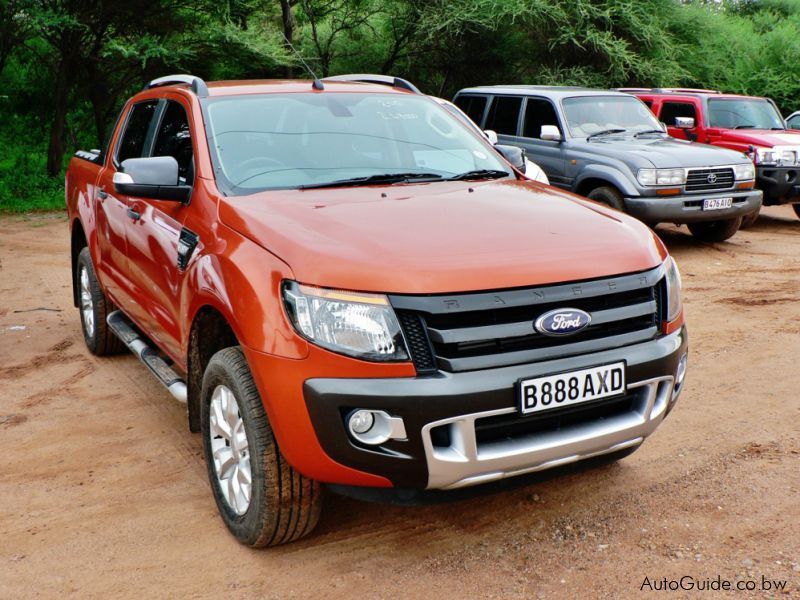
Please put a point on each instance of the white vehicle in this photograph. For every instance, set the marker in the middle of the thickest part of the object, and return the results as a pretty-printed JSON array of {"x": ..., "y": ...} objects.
[{"x": 532, "y": 170}]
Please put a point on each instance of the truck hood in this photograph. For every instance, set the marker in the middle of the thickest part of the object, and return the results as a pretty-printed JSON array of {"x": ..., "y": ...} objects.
[
  {"x": 442, "y": 237},
  {"x": 661, "y": 152},
  {"x": 761, "y": 137}
]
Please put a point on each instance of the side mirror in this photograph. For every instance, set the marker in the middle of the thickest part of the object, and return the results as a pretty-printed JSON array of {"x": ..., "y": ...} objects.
[
  {"x": 155, "y": 177},
  {"x": 514, "y": 155},
  {"x": 491, "y": 136},
  {"x": 550, "y": 133},
  {"x": 684, "y": 122}
]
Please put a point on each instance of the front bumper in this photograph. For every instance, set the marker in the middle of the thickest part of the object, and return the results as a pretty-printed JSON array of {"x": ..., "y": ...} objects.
[
  {"x": 688, "y": 208},
  {"x": 440, "y": 412},
  {"x": 781, "y": 185}
]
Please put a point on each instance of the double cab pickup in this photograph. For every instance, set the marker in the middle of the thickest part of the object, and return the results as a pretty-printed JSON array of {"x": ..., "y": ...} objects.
[{"x": 350, "y": 288}]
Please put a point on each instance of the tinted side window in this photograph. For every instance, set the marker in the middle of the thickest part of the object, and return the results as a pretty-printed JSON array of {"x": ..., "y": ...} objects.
[
  {"x": 174, "y": 139},
  {"x": 538, "y": 112},
  {"x": 504, "y": 114},
  {"x": 670, "y": 110},
  {"x": 474, "y": 106},
  {"x": 131, "y": 145}
]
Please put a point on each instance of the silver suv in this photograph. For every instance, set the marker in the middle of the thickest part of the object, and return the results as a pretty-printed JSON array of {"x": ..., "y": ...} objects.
[{"x": 609, "y": 147}]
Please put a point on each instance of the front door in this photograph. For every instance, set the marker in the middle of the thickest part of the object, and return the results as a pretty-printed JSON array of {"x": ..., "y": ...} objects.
[{"x": 152, "y": 236}]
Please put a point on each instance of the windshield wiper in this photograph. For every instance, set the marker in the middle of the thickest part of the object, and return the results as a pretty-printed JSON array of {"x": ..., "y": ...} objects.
[
  {"x": 604, "y": 132},
  {"x": 745, "y": 127},
  {"x": 479, "y": 174},
  {"x": 647, "y": 131},
  {"x": 387, "y": 178}
]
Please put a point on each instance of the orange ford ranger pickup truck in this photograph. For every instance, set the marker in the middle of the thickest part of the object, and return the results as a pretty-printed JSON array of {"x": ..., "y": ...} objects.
[{"x": 348, "y": 286}]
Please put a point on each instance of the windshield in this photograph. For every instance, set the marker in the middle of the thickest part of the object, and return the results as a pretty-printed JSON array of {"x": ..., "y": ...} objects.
[
  {"x": 743, "y": 113},
  {"x": 271, "y": 141},
  {"x": 587, "y": 115}
]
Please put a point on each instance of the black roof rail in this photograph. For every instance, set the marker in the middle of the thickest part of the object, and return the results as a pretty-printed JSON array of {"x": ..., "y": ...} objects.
[
  {"x": 668, "y": 90},
  {"x": 198, "y": 86},
  {"x": 379, "y": 79}
]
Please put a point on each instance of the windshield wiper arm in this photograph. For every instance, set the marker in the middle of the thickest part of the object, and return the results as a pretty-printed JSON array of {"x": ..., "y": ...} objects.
[
  {"x": 646, "y": 131},
  {"x": 479, "y": 174},
  {"x": 387, "y": 178},
  {"x": 745, "y": 127},
  {"x": 604, "y": 132}
]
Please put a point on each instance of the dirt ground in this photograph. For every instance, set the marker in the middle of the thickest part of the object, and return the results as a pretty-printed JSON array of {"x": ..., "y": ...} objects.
[{"x": 103, "y": 492}]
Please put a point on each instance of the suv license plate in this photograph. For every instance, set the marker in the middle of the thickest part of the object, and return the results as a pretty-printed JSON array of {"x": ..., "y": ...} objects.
[
  {"x": 572, "y": 387},
  {"x": 717, "y": 203}
]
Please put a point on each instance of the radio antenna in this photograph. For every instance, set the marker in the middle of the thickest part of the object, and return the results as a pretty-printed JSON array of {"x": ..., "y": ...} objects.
[{"x": 317, "y": 84}]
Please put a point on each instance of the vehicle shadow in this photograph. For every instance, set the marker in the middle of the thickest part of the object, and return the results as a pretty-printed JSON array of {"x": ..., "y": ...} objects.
[{"x": 519, "y": 503}]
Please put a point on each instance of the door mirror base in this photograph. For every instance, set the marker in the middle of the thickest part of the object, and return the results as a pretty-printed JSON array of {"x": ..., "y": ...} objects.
[{"x": 514, "y": 155}]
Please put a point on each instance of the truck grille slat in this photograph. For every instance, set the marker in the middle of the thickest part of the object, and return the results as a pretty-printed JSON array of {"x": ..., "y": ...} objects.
[
  {"x": 699, "y": 180},
  {"x": 498, "y": 327}
]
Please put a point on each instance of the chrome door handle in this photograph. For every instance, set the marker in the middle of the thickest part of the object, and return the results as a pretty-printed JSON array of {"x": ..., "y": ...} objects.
[
  {"x": 134, "y": 215},
  {"x": 102, "y": 194}
]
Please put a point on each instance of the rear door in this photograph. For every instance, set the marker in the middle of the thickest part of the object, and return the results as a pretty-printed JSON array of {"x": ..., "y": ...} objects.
[
  {"x": 112, "y": 208},
  {"x": 152, "y": 236}
]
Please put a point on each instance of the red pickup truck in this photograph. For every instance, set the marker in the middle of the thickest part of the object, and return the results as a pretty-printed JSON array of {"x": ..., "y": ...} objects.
[
  {"x": 349, "y": 286},
  {"x": 745, "y": 123}
]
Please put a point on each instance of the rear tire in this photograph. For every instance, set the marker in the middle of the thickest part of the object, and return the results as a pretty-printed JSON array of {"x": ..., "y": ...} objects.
[
  {"x": 94, "y": 308},
  {"x": 750, "y": 220},
  {"x": 609, "y": 196},
  {"x": 796, "y": 209},
  {"x": 281, "y": 505},
  {"x": 715, "y": 231}
]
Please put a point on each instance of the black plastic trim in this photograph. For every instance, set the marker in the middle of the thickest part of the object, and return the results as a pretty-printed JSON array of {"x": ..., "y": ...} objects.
[{"x": 422, "y": 400}]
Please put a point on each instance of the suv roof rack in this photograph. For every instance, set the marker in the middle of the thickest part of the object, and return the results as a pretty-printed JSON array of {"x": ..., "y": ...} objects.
[
  {"x": 669, "y": 90},
  {"x": 198, "y": 86},
  {"x": 379, "y": 79}
]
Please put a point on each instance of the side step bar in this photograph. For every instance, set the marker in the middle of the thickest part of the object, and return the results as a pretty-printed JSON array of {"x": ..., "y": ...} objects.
[{"x": 123, "y": 330}]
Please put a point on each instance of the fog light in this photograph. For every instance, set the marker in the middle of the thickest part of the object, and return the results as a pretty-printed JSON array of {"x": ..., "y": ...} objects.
[
  {"x": 374, "y": 427},
  {"x": 361, "y": 421},
  {"x": 680, "y": 374}
]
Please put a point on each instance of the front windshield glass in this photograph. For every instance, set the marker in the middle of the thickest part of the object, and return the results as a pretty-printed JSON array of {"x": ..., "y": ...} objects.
[
  {"x": 594, "y": 114},
  {"x": 743, "y": 113},
  {"x": 271, "y": 141}
]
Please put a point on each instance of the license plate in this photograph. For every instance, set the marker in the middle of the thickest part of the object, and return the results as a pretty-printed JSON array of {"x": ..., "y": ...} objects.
[
  {"x": 717, "y": 203},
  {"x": 572, "y": 387}
]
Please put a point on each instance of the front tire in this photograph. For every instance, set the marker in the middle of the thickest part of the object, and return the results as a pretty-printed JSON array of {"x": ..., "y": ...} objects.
[
  {"x": 94, "y": 307},
  {"x": 261, "y": 498},
  {"x": 609, "y": 196},
  {"x": 715, "y": 231},
  {"x": 750, "y": 220}
]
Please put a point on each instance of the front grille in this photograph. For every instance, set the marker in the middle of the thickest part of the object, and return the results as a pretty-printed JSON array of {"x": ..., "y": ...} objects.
[
  {"x": 509, "y": 427},
  {"x": 702, "y": 180},
  {"x": 466, "y": 332}
]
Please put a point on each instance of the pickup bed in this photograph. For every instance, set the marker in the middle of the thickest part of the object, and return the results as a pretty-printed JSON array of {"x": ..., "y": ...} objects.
[{"x": 348, "y": 286}]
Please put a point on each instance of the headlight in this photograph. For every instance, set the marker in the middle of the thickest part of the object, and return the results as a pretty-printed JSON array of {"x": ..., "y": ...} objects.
[
  {"x": 673, "y": 279},
  {"x": 744, "y": 172},
  {"x": 661, "y": 176},
  {"x": 766, "y": 156},
  {"x": 353, "y": 323}
]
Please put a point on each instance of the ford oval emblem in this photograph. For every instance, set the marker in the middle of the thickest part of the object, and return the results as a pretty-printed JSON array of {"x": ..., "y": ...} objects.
[{"x": 563, "y": 321}]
